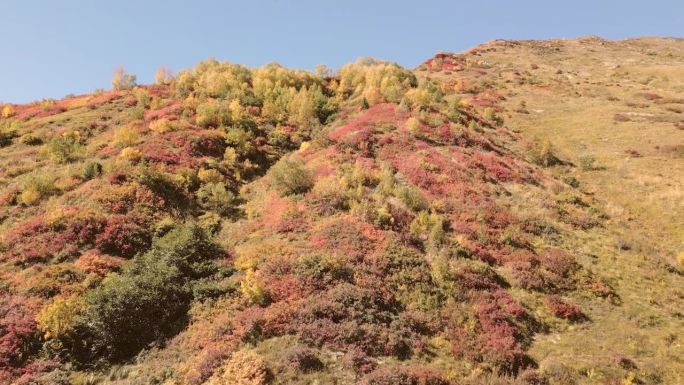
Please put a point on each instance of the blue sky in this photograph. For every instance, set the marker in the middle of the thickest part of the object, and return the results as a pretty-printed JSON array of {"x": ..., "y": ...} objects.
[{"x": 54, "y": 48}]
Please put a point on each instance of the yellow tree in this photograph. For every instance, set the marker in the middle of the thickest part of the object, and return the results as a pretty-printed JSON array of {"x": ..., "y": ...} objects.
[
  {"x": 122, "y": 80},
  {"x": 163, "y": 76}
]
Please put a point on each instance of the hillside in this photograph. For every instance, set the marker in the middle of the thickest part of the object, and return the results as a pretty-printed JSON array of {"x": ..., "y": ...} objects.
[{"x": 497, "y": 216}]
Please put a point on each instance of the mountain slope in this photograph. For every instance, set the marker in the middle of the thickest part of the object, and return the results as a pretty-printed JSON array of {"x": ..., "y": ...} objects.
[
  {"x": 379, "y": 226},
  {"x": 614, "y": 110}
]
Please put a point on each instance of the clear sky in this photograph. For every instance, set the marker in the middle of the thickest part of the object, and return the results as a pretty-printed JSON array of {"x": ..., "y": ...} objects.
[{"x": 51, "y": 48}]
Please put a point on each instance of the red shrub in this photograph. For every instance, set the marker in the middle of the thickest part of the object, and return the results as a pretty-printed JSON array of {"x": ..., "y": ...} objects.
[
  {"x": 121, "y": 199},
  {"x": 170, "y": 112},
  {"x": 564, "y": 310},
  {"x": 208, "y": 359},
  {"x": 359, "y": 132},
  {"x": 357, "y": 360},
  {"x": 398, "y": 375},
  {"x": 19, "y": 337},
  {"x": 123, "y": 236},
  {"x": 247, "y": 324},
  {"x": 347, "y": 238},
  {"x": 9, "y": 197},
  {"x": 497, "y": 338},
  {"x": 279, "y": 316},
  {"x": 559, "y": 269},
  {"x": 103, "y": 98},
  {"x": 36, "y": 240},
  {"x": 300, "y": 359},
  {"x": 493, "y": 166},
  {"x": 100, "y": 264},
  {"x": 117, "y": 178}
]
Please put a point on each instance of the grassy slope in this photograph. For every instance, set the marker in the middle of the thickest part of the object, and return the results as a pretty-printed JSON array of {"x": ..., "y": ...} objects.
[
  {"x": 576, "y": 109},
  {"x": 574, "y": 93}
]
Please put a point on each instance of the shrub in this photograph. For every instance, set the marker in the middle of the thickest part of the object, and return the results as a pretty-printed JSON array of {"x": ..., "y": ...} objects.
[
  {"x": 587, "y": 162},
  {"x": 30, "y": 140},
  {"x": 413, "y": 126},
  {"x": 122, "y": 80},
  {"x": 149, "y": 300},
  {"x": 254, "y": 289},
  {"x": 541, "y": 153},
  {"x": 212, "y": 114},
  {"x": 122, "y": 236},
  {"x": 412, "y": 198},
  {"x": 7, "y": 111},
  {"x": 322, "y": 272},
  {"x": 163, "y": 76},
  {"x": 125, "y": 137},
  {"x": 558, "y": 269},
  {"x": 564, "y": 310},
  {"x": 19, "y": 337},
  {"x": 161, "y": 126},
  {"x": 142, "y": 97},
  {"x": 57, "y": 319},
  {"x": 210, "y": 176},
  {"x": 92, "y": 169},
  {"x": 301, "y": 359},
  {"x": 65, "y": 148},
  {"x": 36, "y": 188},
  {"x": 131, "y": 154},
  {"x": 289, "y": 176},
  {"x": 128, "y": 311},
  {"x": 245, "y": 367},
  {"x": 430, "y": 228},
  {"x": 93, "y": 262},
  {"x": 215, "y": 197},
  {"x": 6, "y": 138},
  {"x": 397, "y": 375}
]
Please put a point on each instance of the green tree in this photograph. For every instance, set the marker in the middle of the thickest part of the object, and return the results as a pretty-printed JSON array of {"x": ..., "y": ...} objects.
[
  {"x": 149, "y": 300},
  {"x": 289, "y": 176}
]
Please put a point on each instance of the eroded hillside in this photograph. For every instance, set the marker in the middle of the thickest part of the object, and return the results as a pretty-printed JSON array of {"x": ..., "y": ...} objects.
[{"x": 379, "y": 226}]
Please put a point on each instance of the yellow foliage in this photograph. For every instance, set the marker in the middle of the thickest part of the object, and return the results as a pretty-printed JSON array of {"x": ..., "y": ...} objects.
[
  {"x": 72, "y": 135},
  {"x": 56, "y": 320},
  {"x": 8, "y": 111},
  {"x": 210, "y": 176},
  {"x": 131, "y": 154},
  {"x": 375, "y": 80},
  {"x": 680, "y": 258},
  {"x": 30, "y": 196},
  {"x": 302, "y": 109},
  {"x": 373, "y": 95},
  {"x": 122, "y": 80},
  {"x": 163, "y": 76},
  {"x": 237, "y": 111},
  {"x": 125, "y": 137},
  {"x": 304, "y": 146},
  {"x": 413, "y": 125},
  {"x": 36, "y": 188},
  {"x": 161, "y": 126},
  {"x": 253, "y": 288},
  {"x": 67, "y": 183},
  {"x": 245, "y": 367}
]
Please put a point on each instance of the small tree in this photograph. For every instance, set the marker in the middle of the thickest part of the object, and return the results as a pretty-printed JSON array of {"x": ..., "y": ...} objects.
[
  {"x": 323, "y": 71},
  {"x": 122, "y": 80},
  {"x": 7, "y": 111},
  {"x": 163, "y": 76},
  {"x": 289, "y": 176}
]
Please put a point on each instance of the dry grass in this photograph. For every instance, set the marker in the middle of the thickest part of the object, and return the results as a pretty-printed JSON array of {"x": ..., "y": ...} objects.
[{"x": 572, "y": 98}]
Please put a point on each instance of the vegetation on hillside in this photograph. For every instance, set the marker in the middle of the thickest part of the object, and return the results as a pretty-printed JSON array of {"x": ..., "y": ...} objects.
[{"x": 277, "y": 226}]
